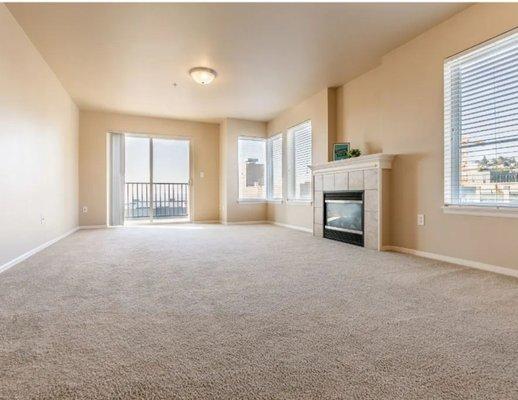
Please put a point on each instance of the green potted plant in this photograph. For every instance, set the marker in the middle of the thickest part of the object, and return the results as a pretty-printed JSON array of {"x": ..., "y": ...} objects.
[{"x": 354, "y": 153}]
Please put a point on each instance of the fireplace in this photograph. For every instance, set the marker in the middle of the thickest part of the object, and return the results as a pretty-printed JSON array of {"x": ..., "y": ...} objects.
[
  {"x": 364, "y": 179},
  {"x": 344, "y": 216}
]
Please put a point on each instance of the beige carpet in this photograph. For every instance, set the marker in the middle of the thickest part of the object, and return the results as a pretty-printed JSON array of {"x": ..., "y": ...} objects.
[{"x": 250, "y": 312}]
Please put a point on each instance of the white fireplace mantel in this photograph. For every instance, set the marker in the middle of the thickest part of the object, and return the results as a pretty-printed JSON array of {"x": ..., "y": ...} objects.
[
  {"x": 379, "y": 160},
  {"x": 369, "y": 174}
]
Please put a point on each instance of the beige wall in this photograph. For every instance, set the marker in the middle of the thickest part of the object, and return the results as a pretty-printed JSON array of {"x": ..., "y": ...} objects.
[
  {"x": 317, "y": 108},
  {"x": 231, "y": 209},
  {"x": 38, "y": 147},
  {"x": 93, "y": 130},
  {"x": 398, "y": 108}
]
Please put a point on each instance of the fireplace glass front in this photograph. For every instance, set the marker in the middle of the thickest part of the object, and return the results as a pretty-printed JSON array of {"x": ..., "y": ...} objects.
[{"x": 343, "y": 216}]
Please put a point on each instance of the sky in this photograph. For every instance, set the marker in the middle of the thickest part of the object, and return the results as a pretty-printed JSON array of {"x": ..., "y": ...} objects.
[
  {"x": 252, "y": 149},
  {"x": 170, "y": 163}
]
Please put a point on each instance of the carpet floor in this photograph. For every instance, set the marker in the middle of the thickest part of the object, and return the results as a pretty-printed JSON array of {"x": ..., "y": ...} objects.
[{"x": 250, "y": 312}]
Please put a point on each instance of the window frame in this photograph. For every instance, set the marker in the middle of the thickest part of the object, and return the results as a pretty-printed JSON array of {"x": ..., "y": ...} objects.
[
  {"x": 269, "y": 169},
  {"x": 452, "y": 145},
  {"x": 255, "y": 199},
  {"x": 290, "y": 167}
]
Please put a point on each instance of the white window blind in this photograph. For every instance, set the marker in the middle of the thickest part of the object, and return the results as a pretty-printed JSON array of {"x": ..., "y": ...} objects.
[
  {"x": 481, "y": 125},
  {"x": 252, "y": 161},
  {"x": 274, "y": 167},
  {"x": 299, "y": 158}
]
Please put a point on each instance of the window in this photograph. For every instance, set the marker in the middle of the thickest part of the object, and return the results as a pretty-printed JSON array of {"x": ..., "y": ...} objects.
[
  {"x": 274, "y": 167},
  {"x": 299, "y": 158},
  {"x": 481, "y": 125},
  {"x": 252, "y": 160}
]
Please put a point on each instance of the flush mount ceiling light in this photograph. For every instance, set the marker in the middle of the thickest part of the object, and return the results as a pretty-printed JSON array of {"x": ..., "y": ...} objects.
[{"x": 202, "y": 75}]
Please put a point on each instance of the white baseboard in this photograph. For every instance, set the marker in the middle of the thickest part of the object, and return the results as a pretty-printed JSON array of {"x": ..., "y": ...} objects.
[
  {"x": 30, "y": 253},
  {"x": 93, "y": 227},
  {"x": 296, "y": 227},
  {"x": 245, "y": 223},
  {"x": 460, "y": 261}
]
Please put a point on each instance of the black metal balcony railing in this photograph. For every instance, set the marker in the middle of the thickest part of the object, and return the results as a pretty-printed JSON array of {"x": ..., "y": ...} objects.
[{"x": 169, "y": 200}]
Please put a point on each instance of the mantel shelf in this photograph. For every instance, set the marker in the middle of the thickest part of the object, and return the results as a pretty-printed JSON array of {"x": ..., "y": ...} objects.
[{"x": 380, "y": 160}]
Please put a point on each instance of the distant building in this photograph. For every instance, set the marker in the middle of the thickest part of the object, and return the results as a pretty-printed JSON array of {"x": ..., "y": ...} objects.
[
  {"x": 251, "y": 179},
  {"x": 254, "y": 172},
  {"x": 305, "y": 190},
  {"x": 488, "y": 184}
]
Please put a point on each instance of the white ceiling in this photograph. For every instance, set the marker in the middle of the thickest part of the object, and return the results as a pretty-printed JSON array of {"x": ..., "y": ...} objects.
[{"x": 126, "y": 57}]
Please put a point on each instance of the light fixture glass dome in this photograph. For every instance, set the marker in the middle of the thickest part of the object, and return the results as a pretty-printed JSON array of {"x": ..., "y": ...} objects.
[{"x": 202, "y": 75}]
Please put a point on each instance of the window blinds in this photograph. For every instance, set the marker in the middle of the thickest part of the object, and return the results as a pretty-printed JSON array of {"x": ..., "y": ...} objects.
[
  {"x": 274, "y": 163},
  {"x": 299, "y": 158},
  {"x": 481, "y": 125},
  {"x": 252, "y": 161}
]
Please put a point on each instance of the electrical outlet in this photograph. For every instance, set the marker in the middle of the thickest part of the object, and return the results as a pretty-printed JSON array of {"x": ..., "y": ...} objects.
[
  {"x": 202, "y": 174},
  {"x": 42, "y": 220},
  {"x": 85, "y": 209},
  {"x": 420, "y": 219}
]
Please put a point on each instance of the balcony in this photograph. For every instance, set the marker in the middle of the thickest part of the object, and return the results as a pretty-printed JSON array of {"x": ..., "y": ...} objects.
[{"x": 169, "y": 200}]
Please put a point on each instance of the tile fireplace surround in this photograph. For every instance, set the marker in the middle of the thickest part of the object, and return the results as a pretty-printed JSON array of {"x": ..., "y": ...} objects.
[{"x": 369, "y": 173}]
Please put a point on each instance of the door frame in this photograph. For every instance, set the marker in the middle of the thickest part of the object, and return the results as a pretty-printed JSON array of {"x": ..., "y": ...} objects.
[{"x": 190, "y": 194}]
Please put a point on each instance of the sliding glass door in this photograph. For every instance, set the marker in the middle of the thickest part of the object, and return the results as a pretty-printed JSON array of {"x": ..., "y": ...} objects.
[
  {"x": 137, "y": 188},
  {"x": 156, "y": 179},
  {"x": 170, "y": 178}
]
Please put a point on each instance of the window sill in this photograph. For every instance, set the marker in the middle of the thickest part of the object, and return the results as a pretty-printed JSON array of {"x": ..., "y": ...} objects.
[
  {"x": 299, "y": 202},
  {"x": 275, "y": 201},
  {"x": 482, "y": 211},
  {"x": 251, "y": 201}
]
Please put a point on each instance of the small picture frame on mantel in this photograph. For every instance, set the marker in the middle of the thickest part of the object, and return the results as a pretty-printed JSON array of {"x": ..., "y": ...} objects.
[{"x": 341, "y": 151}]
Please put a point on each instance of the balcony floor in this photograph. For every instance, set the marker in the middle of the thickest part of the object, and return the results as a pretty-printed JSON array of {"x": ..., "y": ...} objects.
[{"x": 156, "y": 221}]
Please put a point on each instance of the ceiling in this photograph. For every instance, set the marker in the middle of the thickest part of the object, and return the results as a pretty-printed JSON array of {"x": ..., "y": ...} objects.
[{"x": 127, "y": 57}]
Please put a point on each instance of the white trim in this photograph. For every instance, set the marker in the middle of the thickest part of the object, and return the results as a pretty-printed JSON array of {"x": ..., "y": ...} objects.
[
  {"x": 258, "y": 138},
  {"x": 460, "y": 261},
  {"x": 275, "y": 201},
  {"x": 482, "y": 211},
  {"x": 380, "y": 160},
  {"x": 296, "y": 227},
  {"x": 251, "y": 201},
  {"x": 244, "y": 222},
  {"x": 92, "y": 227},
  {"x": 299, "y": 202},
  {"x": 30, "y": 253}
]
